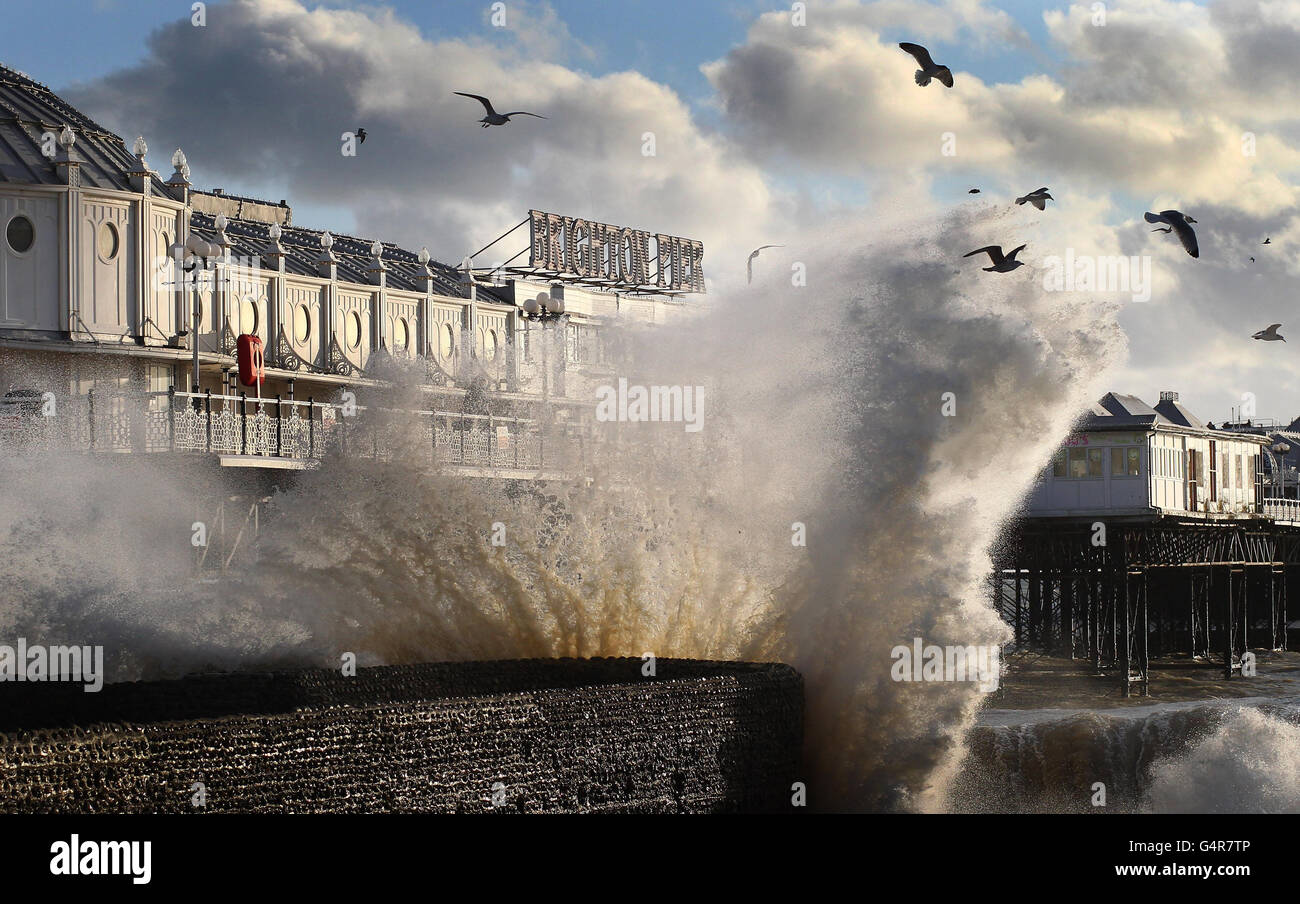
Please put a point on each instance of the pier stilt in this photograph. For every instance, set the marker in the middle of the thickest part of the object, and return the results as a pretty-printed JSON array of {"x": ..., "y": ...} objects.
[{"x": 1211, "y": 589}]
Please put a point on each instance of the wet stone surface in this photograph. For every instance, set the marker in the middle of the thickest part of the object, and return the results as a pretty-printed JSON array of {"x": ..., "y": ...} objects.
[{"x": 506, "y": 737}]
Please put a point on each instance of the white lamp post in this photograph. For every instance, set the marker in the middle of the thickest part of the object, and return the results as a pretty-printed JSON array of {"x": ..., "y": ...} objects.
[{"x": 197, "y": 254}]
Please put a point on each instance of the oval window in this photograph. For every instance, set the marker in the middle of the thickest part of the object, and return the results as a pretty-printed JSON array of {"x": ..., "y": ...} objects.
[
  {"x": 302, "y": 323},
  {"x": 108, "y": 241},
  {"x": 163, "y": 258},
  {"x": 447, "y": 343},
  {"x": 248, "y": 316},
  {"x": 354, "y": 330},
  {"x": 401, "y": 336},
  {"x": 20, "y": 234}
]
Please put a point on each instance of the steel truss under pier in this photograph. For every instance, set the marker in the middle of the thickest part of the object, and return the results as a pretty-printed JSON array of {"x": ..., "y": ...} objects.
[{"x": 1135, "y": 590}]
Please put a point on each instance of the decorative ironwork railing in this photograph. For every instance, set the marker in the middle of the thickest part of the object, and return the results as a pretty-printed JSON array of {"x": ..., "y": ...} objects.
[
  {"x": 283, "y": 428},
  {"x": 1282, "y": 509}
]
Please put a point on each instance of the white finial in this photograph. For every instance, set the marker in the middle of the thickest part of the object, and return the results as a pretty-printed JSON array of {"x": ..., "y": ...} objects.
[
  {"x": 423, "y": 256},
  {"x": 326, "y": 240},
  {"x": 221, "y": 222},
  {"x": 140, "y": 148},
  {"x": 178, "y": 161},
  {"x": 275, "y": 232},
  {"x": 67, "y": 138},
  {"x": 377, "y": 249}
]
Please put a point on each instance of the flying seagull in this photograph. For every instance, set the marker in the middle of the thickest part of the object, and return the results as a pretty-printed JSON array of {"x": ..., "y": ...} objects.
[
  {"x": 494, "y": 118},
  {"x": 929, "y": 68},
  {"x": 1002, "y": 263},
  {"x": 1039, "y": 198},
  {"x": 1270, "y": 334},
  {"x": 361, "y": 136},
  {"x": 1176, "y": 222},
  {"x": 973, "y": 191},
  {"x": 749, "y": 264},
  {"x": 1267, "y": 241}
]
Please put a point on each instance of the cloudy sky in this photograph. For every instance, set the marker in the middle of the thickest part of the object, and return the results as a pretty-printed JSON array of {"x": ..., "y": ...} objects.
[{"x": 764, "y": 131}]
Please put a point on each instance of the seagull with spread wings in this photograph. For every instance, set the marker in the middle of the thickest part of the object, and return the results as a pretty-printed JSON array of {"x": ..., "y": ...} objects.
[
  {"x": 1038, "y": 197},
  {"x": 749, "y": 264},
  {"x": 494, "y": 118},
  {"x": 1177, "y": 223},
  {"x": 1002, "y": 263},
  {"x": 929, "y": 68},
  {"x": 1270, "y": 334}
]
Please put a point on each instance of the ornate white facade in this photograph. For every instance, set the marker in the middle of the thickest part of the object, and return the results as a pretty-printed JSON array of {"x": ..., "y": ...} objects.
[{"x": 91, "y": 297}]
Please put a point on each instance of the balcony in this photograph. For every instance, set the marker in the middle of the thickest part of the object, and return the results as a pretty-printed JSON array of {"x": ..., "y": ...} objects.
[
  {"x": 288, "y": 434},
  {"x": 1281, "y": 509}
]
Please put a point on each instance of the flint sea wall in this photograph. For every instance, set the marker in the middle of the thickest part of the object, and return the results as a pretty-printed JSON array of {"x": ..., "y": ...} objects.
[{"x": 564, "y": 735}]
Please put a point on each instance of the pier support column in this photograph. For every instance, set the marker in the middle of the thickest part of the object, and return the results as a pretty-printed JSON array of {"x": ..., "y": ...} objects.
[
  {"x": 1020, "y": 604},
  {"x": 1199, "y": 613},
  {"x": 1234, "y": 601},
  {"x": 1099, "y": 584},
  {"x": 1134, "y": 631},
  {"x": 1065, "y": 641},
  {"x": 1144, "y": 634},
  {"x": 1125, "y": 638},
  {"x": 1035, "y": 604},
  {"x": 1277, "y": 605}
]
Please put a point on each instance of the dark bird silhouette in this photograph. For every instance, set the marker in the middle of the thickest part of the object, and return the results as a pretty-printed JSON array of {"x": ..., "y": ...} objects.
[
  {"x": 1038, "y": 197},
  {"x": 1176, "y": 222},
  {"x": 749, "y": 264},
  {"x": 973, "y": 191},
  {"x": 1267, "y": 241},
  {"x": 494, "y": 118},
  {"x": 1252, "y": 260},
  {"x": 361, "y": 135},
  {"x": 1270, "y": 334},
  {"x": 929, "y": 68},
  {"x": 1002, "y": 263}
]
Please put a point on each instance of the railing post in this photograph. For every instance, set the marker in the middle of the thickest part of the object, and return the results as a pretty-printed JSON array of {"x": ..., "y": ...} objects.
[
  {"x": 243, "y": 423},
  {"x": 207, "y": 404},
  {"x": 90, "y": 414},
  {"x": 311, "y": 427},
  {"x": 171, "y": 418},
  {"x": 279, "y": 408},
  {"x": 462, "y": 439}
]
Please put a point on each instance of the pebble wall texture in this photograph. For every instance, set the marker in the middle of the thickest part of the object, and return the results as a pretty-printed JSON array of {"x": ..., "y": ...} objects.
[{"x": 522, "y": 736}]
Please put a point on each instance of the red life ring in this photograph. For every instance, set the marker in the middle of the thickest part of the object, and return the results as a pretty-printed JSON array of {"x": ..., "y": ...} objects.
[{"x": 252, "y": 364}]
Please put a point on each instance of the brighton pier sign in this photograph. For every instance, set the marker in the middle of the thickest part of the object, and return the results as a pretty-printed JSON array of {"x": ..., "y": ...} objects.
[{"x": 614, "y": 255}]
